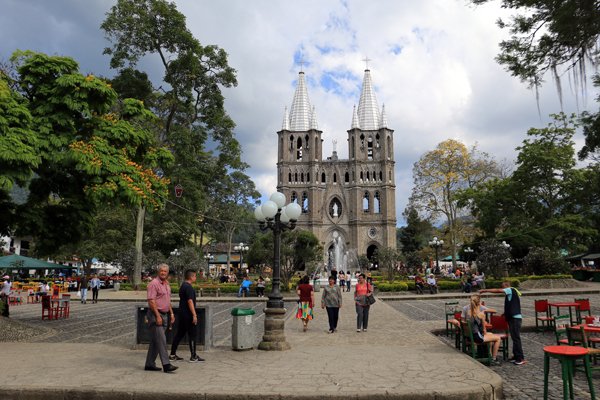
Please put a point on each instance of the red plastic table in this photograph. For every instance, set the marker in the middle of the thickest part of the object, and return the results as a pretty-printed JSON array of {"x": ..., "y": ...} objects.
[
  {"x": 567, "y": 355},
  {"x": 564, "y": 304}
]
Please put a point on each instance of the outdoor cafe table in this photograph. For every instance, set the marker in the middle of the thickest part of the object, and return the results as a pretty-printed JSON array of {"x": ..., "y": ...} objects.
[{"x": 563, "y": 304}]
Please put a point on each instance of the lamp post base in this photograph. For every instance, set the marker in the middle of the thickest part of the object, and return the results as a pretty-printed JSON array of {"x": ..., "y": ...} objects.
[{"x": 274, "y": 336}]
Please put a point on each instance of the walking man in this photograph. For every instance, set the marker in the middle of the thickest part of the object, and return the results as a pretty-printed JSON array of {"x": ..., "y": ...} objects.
[
  {"x": 83, "y": 285},
  {"x": 187, "y": 318},
  {"x": 4, "y": 295},
  {"x": 159, "y": 309},
  {"x": 95, "y": 285},
  {"x": 512, "y": 313}
]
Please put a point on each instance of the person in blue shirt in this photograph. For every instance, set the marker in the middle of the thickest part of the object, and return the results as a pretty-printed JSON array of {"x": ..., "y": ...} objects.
[
  {"x": 512, "y": 313},
  {"x": 245, "y": 286}
]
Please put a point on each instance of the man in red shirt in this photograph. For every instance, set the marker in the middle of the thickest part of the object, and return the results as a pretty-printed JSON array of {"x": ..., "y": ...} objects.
[{"x": 159, "y": 309}]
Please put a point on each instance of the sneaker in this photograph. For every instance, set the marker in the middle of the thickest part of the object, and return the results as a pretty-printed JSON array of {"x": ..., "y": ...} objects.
[
  {"x": 175, "y": 357},
  {"x": 520, "y": 362},
  {"x": 195, "y": 359},
  {"x": 364, "y": 330},
  {"x": 169, "y": 368},
  {"x": 358, "y": 330},
  {"x": 495, "y": 362}
]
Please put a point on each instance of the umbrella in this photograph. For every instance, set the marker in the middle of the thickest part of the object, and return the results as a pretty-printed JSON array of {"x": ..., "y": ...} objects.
[{"x": 17, "y": 261}]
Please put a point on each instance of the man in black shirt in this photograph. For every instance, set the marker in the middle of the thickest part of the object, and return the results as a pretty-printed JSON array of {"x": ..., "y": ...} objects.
[{"x": 188, "y": 320}]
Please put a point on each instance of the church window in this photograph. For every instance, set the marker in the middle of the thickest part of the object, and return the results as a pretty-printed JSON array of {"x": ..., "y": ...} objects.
[
  {"x": 381, "y": 176},
  {"x": 366, "y": 205},
  {"x": 346, "y": 177},
  {"x": 302, "y": 177},
  {"x": 299, "y": 149},
  {"x": 290, "y": 177},
  {"x": 294, "y": 198},
  {"x": 334, "y": 177},
  {"x": 292, "y": 142},
  {"x": 377, "y": 140},
  {"x": 323, "y": 177},
  {"x": 296, "y": 177},
  {"x": 352, "y": 152},
  {"x": 376, "y": 203},
  {"x": 335, "y": 208},
  {"x": 370, "y": 148},
  {"x": 368, "y": 176},
  {"x": 361, "y": 176},
  {"x": 304, "y": 202},
  {"x": 362, "y": 141},
  {"x": 308, "y": 177},
  {"x": 389, "y": 146},
  {"x": 306, "y": 141}
]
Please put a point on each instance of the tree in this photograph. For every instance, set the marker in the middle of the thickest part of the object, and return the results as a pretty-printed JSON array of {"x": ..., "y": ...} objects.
[
  {"x": 299, "y": 248},
  {"x": 440, "y": 175},
  {"x": 186, "y": 258},
  {"x": 387, "y": 258},
  {"x": 546, "y": 201},
  {"x": 543, "y": 261},
  {"x": 493, "y": 258},
  {"x": 549, "y": 35},
  {"x": 191, "y": 105},
  {"x": 417, "y": 232},
  {"x": 90, "y": 153}
]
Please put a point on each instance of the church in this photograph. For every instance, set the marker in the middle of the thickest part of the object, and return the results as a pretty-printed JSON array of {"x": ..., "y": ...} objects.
[{"x": 348, "y": 204}]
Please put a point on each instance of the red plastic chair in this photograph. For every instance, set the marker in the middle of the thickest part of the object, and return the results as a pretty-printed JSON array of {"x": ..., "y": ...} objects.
[
  {"x": 500, "y": 328},
  {"x": 541, "y": 307},
  {"x": 48, "y": 311},
  {"x": 584, "y": 305}
]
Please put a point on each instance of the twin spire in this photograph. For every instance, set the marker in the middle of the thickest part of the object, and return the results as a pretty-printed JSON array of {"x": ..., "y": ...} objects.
[{"x": 303, "y": 117}]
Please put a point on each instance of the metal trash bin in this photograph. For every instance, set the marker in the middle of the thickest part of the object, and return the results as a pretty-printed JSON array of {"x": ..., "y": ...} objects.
[
  {"x": 242, "y": 329},
  {"x": 316, "y": 285}
]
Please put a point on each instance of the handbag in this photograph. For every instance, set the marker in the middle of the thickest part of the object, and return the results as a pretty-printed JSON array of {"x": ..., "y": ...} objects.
[
  {"x": 369, "y": 299},
  {"x": 79, "y": 293}
]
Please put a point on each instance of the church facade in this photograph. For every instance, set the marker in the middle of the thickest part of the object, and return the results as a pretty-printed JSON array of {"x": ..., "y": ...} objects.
[{"x": 349, "y": 204}]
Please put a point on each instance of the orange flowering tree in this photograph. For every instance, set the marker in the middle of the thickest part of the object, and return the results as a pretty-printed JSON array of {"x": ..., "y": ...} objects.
[{"x": 93, "y": 149}]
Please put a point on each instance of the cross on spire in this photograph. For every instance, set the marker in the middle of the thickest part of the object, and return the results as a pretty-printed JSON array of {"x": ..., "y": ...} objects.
[{"x": 366, "y": 60}]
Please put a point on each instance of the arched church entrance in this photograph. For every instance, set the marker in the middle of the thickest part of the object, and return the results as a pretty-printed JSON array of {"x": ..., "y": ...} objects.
[{"x": 371, "y": 253}]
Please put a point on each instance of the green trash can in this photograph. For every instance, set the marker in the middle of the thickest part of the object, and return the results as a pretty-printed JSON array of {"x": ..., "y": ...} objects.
[
  {"x": 317, "y": 285},
  {"x": 242, "y": 329}
]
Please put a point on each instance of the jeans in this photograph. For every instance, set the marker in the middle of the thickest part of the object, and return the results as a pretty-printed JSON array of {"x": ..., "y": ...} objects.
[
  {"x": 244, "y": 290},
  {"x": 333, "y": 313},
  {"x": 348, "y": 284},
  {"x": 514, "y": 327},
  {"x": 185, "y": 327},
  {"x": 362, "y": 317},
  {"x": 83, "y": 294}
]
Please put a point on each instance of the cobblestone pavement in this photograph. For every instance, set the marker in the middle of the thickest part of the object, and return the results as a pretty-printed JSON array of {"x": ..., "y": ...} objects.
[
  {"x": 520, "y": 382},
  {"x": 113, "y": 323}
]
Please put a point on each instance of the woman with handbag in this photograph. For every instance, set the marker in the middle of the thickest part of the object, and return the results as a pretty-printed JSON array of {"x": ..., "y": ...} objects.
[
  {"x": 363, "y": 295},
  {"x": 306, "y": 301},
  {"x": 332, "y": 300}
]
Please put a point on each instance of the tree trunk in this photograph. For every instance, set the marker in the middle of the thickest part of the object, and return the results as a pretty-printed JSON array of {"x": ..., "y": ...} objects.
[{"x": 139, "y": 236}]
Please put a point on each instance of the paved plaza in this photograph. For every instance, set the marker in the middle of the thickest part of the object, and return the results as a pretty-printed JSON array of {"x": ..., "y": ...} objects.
[{"x": 398, "y": 357}]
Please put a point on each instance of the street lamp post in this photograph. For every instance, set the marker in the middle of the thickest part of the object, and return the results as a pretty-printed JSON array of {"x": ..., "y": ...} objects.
[
  {"x": 437, "y": 245},
  {"x": 468, "y": 252},
  {"x": 278, "y": 217},
  {"x": 507, "y": 247},
  {"x": 241, "y": 248},
  {"x": 208, "y": 257}
]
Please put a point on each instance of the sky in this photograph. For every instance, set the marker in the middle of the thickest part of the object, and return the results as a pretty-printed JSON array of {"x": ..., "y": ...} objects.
[{"x": 432, "y": 65}]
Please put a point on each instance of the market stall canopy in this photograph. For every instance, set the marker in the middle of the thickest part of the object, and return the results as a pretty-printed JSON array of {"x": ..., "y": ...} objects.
[{"x": 16, "y": 261}]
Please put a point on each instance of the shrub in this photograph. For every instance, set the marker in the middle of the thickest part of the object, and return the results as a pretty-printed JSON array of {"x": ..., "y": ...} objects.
[
  {"x": 544, "y": 261},
  {"x": 558, "y": 276},
  {"x": 395, "y": 286}
]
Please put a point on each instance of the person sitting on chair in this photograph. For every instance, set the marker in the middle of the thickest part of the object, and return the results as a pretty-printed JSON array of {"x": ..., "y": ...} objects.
[
  {"x": 245, "y": 287},
  {"x": 419, "y": 284},
  {"x": 432, "y": 283}
]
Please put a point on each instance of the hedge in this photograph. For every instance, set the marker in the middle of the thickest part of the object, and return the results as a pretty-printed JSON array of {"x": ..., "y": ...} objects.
[{"x": 392, "y": 287}]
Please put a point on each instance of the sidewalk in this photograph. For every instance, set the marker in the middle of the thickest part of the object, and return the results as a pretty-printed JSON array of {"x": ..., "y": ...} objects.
[{"x": 396, "y": 359}]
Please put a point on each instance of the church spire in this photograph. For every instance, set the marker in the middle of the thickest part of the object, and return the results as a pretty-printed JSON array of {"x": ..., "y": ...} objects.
[
  {"x": 383, "y": 123},
  {"x": 313, "y": 119},
  {"x": 368, "y": 110},
  {"x": 300, "y": 113},
  {"x": 354, "y": 118},
  {"x": 285, "y": 126}
]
